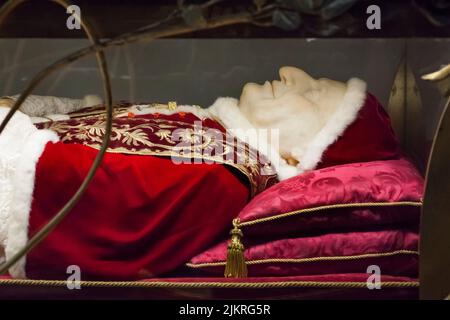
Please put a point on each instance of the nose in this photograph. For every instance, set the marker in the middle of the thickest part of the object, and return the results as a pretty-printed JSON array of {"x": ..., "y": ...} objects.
[
  {"x": 286, "y": 75},
  {"x": 295, "y": 76}
]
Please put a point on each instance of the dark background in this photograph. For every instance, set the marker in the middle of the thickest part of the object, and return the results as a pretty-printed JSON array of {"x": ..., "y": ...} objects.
[{"x": 400, "y": 18}]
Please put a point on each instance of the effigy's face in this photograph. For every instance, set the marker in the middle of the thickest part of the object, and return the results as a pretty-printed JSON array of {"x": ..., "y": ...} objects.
[{"x": 295, "y": 89}]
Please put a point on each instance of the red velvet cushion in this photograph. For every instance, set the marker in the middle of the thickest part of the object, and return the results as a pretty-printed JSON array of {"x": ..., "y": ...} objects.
[
  {"x": 394, "y": 251},
  {"x": 141, "y": 216},
  {"x": 370, "y": 137},
  {"x": 348, "y": 196}
]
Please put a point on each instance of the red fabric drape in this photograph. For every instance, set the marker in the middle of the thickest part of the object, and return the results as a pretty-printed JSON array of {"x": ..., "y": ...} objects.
[{"x": 141, "y": 216}]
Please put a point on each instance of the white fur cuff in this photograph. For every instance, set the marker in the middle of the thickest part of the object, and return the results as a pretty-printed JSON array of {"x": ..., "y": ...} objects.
[{"x": 23, "y": 186}]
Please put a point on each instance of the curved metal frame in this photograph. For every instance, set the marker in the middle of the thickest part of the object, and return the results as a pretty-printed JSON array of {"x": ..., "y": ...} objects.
[
  {"x": 435, "y": 237},
  {"x": 44, "y": 231},
  {"x": 435, "y": 221},
  {"x": 96, "y": 47}
]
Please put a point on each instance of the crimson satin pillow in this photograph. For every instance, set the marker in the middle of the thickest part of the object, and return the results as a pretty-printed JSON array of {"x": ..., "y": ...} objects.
[
  {"x": 349, "y": 196},
  {"x": 394, "y": 251}
]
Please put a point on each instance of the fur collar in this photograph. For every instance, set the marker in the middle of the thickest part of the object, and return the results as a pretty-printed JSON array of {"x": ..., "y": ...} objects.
[
  {"x": 344, "y": 115},
  {"x": 228, "y": 112},
  {"x": 21, "y": 145}
]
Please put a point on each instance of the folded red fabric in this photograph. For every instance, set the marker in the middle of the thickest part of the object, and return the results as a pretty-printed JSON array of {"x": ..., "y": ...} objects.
[
  {"x": 141, "y": 216},
  {"x": 344, "y": 197},
  {"x": 393, "y": 251}
]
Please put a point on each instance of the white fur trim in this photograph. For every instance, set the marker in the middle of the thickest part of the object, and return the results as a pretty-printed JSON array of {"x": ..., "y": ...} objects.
[
  {"x": 227, "y": 111},
  {"x": 21, "y": 144},
  {"x": 344, "y": 115},
  {"x": 23, "y": 184},
  {"x": 286, "y": 171},
  {"x": 12, "y": 140}
]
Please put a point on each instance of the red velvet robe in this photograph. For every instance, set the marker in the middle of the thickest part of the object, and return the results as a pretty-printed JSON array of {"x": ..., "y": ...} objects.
[{"x": 142, "y": 215}]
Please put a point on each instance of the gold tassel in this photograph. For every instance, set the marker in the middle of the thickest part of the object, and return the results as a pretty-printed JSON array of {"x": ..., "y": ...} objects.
[{"x": 236, "y": 266}]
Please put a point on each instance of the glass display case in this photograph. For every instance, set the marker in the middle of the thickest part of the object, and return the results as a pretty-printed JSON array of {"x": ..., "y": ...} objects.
[{"x": 377, "y": 177}]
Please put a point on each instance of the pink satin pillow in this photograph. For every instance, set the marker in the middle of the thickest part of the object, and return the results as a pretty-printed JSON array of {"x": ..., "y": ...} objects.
[
  {"x": 344, "y": 197},
  {"x": 394, "y": 251}
]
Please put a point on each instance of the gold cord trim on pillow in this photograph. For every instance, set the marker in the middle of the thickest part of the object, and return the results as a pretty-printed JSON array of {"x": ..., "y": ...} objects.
[
  {"x": 306, "y": 260},
  {"x": 208, "y": 285},
  {"x": 332, "y": 206},
  {"x": 231, "y": 271}
]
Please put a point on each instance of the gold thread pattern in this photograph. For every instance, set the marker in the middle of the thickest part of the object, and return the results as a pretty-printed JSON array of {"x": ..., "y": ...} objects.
[{"x": 173, "y": 138}]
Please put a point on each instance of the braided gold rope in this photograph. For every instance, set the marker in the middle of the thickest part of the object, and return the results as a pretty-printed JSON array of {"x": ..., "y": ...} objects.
[
  {"x": 47, "y": 282},
  {"x": 202, "y": 285},
  {"x": 332, "y": 206},
  {"x": 306, "y": 260}
]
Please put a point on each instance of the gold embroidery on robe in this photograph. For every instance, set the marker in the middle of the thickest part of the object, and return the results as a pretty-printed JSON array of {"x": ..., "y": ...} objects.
[{"x": 172, "y": 136}]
